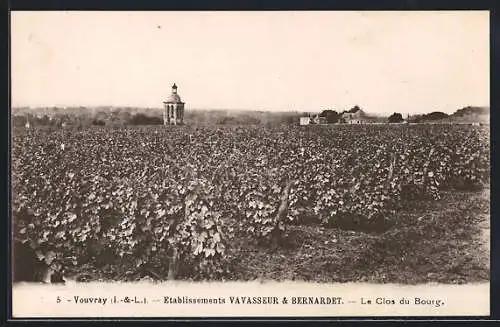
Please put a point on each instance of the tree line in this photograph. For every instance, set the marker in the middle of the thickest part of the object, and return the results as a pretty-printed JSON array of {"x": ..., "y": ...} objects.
[
  {"x": 81, "y": 117},
  {"x": 153, "y": 117}
]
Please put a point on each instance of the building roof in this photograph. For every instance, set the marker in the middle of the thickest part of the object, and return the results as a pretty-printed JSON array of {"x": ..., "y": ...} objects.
[
  {"x": 353, "y": 110},
  {"x": 173, "y": 98},
  {"x": 347, "y": 114}
]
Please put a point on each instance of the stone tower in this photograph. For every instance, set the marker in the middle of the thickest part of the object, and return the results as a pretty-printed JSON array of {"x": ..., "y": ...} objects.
[{"x": 173, "y": 113}]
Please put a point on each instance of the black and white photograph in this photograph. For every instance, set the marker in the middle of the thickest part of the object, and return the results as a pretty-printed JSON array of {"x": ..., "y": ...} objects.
[{"x": 341, "y": 159}]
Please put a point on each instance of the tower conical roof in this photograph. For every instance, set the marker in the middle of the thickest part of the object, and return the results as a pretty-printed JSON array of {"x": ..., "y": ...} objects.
[{"x": 173, "y": 97}]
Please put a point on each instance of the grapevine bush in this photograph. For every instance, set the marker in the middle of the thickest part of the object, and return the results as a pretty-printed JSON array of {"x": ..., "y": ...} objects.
[{"x": 131, "y": 195}]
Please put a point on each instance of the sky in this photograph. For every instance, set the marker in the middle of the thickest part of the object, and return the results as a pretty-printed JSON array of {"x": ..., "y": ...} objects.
[{"x": 409, "y": 62}]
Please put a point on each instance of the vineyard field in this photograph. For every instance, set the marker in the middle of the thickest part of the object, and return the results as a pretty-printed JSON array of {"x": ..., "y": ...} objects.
[{"x": 375, "y": 203}]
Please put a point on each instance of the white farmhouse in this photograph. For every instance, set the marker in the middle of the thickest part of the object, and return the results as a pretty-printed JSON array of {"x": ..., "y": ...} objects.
[
  {"x": 353, "y": 116},
  {"x": 305, "y": 121}
]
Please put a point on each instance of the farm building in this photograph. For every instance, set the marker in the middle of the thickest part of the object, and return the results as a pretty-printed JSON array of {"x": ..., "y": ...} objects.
[
  {"x": 315, "y": 120},
  {"x": 304, "y": 121},
  {"x": 353, "y": 116},
  {"x": 173, "y": 113},
  {"x": 319, "y": 120}
]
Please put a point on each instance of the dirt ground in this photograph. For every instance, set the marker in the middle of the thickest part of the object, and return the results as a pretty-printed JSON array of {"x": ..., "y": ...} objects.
[
  {"x": 445, "y": 241},
  {"x": 485, "y": 234}
]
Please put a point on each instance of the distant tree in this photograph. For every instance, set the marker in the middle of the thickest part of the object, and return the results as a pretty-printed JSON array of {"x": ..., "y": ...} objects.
[
  {"x": 227, "y": 121},
  {"x": 472, "y": 111},
  {"x": 331, "y": 116},
  {"x": 98, "y": 122},
  {"x": 142, "y": 119},
  {"x": 436, "y": 115},
  {"x": 155, "y": 121},
  {"x": 19, "y": 121},
  {"x": 44, "y": 120},
  {"x": 416, "y": 118},
  {"x": 396, "y": 118},
  {"x": 124, "y": 117},
  {"x": 251, "y": 121},
  {"x": 290, "y": 120}
]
